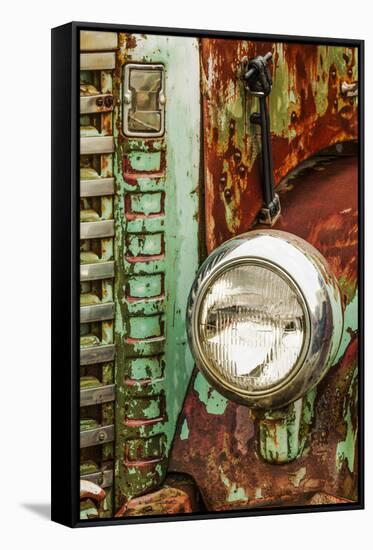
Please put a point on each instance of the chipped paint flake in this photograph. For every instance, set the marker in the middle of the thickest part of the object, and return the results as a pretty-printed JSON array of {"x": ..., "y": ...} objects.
[
  {"x": 234, "y": 493},
  {"x": 214, "y": 402},
  {"x": 298, "y": 476},
  {"x": 258, "y": 493},
  {"x": 184, "y": 430}
]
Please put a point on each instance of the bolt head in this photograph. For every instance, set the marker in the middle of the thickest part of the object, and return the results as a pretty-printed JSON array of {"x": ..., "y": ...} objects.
[{"x": 108, "y": 101}]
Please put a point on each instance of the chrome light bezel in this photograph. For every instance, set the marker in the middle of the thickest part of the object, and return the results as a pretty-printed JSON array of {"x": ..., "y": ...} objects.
[{"x": 309, "y": 275}]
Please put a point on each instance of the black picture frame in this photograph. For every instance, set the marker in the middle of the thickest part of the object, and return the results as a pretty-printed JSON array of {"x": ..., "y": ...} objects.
[{"x": 65, "y": 272}]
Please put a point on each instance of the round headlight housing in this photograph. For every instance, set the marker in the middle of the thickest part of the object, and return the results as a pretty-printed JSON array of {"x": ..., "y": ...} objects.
[{"x": 264, "y": 318}]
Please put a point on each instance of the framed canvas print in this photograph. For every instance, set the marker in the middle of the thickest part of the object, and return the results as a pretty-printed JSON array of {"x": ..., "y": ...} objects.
[{"x": 207, "y": 274}]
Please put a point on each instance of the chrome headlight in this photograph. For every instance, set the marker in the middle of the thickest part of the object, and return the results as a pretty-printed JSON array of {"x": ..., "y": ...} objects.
[{"x": 264, "y": 318}]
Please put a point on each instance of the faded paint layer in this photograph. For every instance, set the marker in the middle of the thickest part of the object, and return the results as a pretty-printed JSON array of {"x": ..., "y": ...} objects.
[
  {"x": 156, "y": 216},
  {"x": 307, "y": 112}
]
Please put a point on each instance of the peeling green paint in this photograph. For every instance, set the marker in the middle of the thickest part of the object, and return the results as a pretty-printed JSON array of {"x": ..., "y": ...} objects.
[
  {"x": 147, "y": 244},
  {"x": 146, "y": 203},
  {"x": 156, "y": 217},
  {"x": 144, "y": 327},
  {"x": 350, "y": 325},
  {"x": 145, "y": 162},
  {"x": 214, "y": 402},
  {"x": 279, "y": 433},
  {"x": 346, "y": 448}
]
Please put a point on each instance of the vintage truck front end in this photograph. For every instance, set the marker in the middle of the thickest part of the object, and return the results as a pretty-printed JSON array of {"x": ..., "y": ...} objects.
[{"x": 171, "y": 172}]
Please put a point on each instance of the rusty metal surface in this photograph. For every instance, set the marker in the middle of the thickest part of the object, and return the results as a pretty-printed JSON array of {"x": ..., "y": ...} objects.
[
  {"x": 307, "y": 111},
  {"x": 217, "y": 441},
  {"x": 166, "y": 501}
]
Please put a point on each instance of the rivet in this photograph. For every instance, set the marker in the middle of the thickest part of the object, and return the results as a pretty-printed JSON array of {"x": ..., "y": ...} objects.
[
  {"x": 349, "y": 72},
  {"x": 223, "y": 178},
  {"x": 241, "y": 169},
  {"x": 237, "y": 156},
  {"x": 101, "y": 436},
  {"x": 334, "y": 73},
  {"x": 99, "y": 102},
  {"x": 227, "y": 193},
  {"x": 293, "y": 116},
  {"x": 162, "y": 99}
]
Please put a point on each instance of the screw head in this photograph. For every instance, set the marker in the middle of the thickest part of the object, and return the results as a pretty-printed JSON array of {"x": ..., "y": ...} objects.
[{"x": 101, "y": 436}]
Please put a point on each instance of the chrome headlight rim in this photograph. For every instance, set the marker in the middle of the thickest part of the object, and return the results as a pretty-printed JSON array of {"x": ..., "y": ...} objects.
[
  {"x": 203, "y": 360},
  {"x": 318, "y": 347}
]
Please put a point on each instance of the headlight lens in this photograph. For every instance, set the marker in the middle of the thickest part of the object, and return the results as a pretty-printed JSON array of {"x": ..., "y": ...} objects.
[
  {"x": 252, "y": 326},
  {"x": 264, "y": 318}
]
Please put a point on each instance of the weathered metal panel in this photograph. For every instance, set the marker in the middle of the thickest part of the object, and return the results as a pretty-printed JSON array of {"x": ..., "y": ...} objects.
[
  {"x": 157, "y": 256},
  {"x": 100, "y": 103},
  {"x": 97, "y": 395},
  {"x": 97, "y": 354},
  {"x": 96, "y": 145},
  {"x": 310, "y": 452},
  {"x": 307, "y": 110},
  {"x": 97, "y": 230},
  {"x": 98, "y": 40},
  {"x": 97, "y": 187},
  {"x": 97, "y": 436},
  {"x": 97, "y": 312},
  {"x": 304, "y": 454},
  {"x": 97, "y": 61},
  {"x": 92, "y": 272}
]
